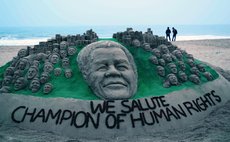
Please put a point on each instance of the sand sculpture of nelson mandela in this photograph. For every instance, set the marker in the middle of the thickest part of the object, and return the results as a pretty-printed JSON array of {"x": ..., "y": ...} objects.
[{"x": 109, "y": 69}]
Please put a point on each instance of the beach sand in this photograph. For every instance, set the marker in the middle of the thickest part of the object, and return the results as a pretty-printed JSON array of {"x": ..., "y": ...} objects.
[
  {"x": 8, "y": 52},
  {"x": 213, "y": 51}
]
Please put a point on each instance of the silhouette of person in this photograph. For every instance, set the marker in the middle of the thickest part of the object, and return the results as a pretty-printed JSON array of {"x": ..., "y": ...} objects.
[
  {"x": 168, "y": 32},
  {"x": 174, "y": 34}
]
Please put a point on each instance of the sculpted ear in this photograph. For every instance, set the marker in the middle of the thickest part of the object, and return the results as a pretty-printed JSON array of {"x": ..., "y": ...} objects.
[
  {"x": 84, "y": 73},
  {"x": 82, "y": 68}
]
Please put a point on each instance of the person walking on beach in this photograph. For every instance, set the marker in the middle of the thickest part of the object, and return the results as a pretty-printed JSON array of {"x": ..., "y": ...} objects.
[
  {"x": 174, "y": 34},
  {"x": 168, "y": 32}
]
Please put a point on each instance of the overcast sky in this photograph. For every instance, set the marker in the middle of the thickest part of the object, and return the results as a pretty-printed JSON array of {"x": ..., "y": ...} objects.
[{"x": 116, "y": 12}]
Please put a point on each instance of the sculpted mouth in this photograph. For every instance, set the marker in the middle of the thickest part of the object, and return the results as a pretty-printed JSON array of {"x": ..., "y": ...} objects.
[{"x": 115, "y": 85}]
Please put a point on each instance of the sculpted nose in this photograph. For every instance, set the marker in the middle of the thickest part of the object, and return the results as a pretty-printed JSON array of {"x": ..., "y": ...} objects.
[{"x": 112, "y": 72}]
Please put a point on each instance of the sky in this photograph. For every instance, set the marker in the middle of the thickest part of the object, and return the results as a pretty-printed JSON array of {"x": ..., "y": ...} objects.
[{"x": 113, "y": 12}]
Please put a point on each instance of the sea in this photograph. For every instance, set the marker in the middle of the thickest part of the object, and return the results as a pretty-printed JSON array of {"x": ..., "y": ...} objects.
[
  {"x": 33, "y": 35},
  {"x": 214, "y": 128}
]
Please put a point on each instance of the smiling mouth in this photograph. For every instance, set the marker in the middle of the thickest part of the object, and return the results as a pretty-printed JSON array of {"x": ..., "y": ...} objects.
[{"x": 115, "y": 85}]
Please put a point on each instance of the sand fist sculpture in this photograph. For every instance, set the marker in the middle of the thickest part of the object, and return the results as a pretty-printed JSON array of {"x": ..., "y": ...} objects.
[{"x": 109, "y": 70}]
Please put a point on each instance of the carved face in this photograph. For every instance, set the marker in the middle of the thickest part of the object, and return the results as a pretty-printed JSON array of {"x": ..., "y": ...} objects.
[
  {"x": 48, "y": 87},
  {"x": 7, "y": 80},
  {"x": 111, "y": 74},
  {"x": 57, "y": 71},
  {"x": 32, "y": 72},
  {"x": 9, "y": 71},
  {"x": 68, "y": 73},
  {"x": 160, "y": 71},
  {"x": 167, "y": 58},
  {"x": 201, "y": 67},
  {"x": 22, "y": 53},
  {"x": 164, "y": 49},
  {"x": 54, "y": 59},
  {"x": 17, "y": 74},
  {"x": 136, "y": 43},
  {"x": 63, "y": 53},
  {"x": 183, "y": 77},
  {"x": 154, "y": 60},
  {"x": 157, "y": 53},
  {"x": 162, "y": 62},
  {"x": 41, "y": 56},
  {"x": 48, "y": 67},
  {"x": 35, "y": 85},
  {"x": 20, "y": 83},
  {"x": 44, "y": 77},
  {"x": 194, "y": 78},
  {"x": 71, "y": 51},
  {"x": 190, "y": 56},
  {"x": 182, "y": 65},
  {"x": 36, "y": 63},
  {"x": 208, "y": 76},
  {"x": 63, "y": 45},
  {"x": 173, "y": 79},
  {"x": 147, "y": 47},
  {"x": 191, "y": 63},
  {"x": 65, "y": 63},
  {"x": 195, "y": 71},
  {"x": 179, "y": 54},
  {"x": 173, "y": 68},
  {"x": 21, "y": 65}
]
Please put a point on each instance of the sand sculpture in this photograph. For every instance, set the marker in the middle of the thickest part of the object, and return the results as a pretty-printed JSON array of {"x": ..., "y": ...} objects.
[
  {"x": 167, "y": 58},
  {"x": 33, "y": 64},
  {"x": 136, "y": 84},
  {"x": 109, "y": 69},
  {"x": 32, "y": 67}
]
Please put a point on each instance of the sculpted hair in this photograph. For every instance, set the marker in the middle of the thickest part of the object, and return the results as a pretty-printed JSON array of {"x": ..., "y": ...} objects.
[{"x": 84, "y": 57}]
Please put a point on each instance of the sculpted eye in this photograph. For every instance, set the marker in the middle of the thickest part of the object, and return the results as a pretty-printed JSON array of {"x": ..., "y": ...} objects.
[
  {"x": 122, "y": 67},
  {"x": 102, "y": 68}
]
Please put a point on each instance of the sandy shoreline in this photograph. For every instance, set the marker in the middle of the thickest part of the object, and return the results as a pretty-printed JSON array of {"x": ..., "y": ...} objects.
[{"x": 213, "y": 51}]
